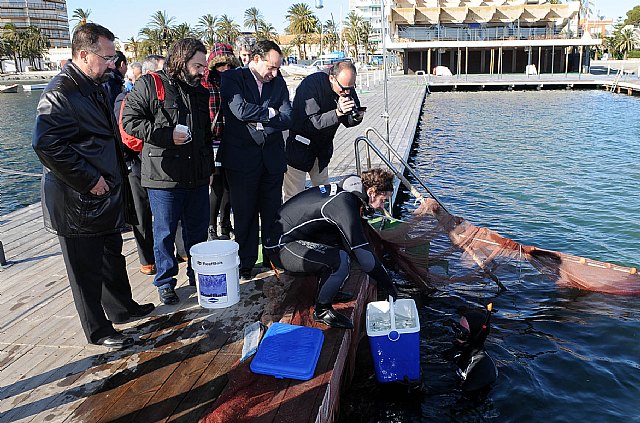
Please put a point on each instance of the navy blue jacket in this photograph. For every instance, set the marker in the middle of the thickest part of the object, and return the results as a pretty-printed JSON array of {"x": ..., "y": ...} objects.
[{"x": 244, "y": 147}]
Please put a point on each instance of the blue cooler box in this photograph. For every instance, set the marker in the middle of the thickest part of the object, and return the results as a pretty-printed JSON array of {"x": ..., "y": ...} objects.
[
  {"x": 288, "y": 351},
  {"x": 393, "y": 329}
]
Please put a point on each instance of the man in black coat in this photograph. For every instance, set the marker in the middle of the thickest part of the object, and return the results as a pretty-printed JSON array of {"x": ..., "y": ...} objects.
[
  {"x": 256, "y": 108},
  {"x": 323, "y": 101},
  {"x": 85, "y": 196}
]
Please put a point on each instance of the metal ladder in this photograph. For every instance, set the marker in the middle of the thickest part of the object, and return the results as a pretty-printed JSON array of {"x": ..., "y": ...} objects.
[
  {"x": 387, "y": 160},
  {"x": 616, "y": 80}
]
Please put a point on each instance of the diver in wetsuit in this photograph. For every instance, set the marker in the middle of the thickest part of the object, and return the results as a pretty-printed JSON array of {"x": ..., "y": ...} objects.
[
  {"x": 320, "y": 230},
  {"x": 475, "y": 367}
]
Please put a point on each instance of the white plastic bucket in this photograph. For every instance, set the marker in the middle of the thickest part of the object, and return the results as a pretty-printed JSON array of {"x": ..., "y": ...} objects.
[{"x": 215, "y": 264}]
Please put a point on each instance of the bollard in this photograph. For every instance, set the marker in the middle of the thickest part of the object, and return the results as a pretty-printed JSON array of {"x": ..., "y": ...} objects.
[{"x": 3, "y": 259}]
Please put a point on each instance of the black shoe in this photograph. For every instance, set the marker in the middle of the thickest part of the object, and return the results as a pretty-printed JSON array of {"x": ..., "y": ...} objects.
[
  {"x": 142, "y": 310},
  {"x": 343, "y": 297},
  {"x": 324, "y": 313},
  {"x": 168, "y": 296},
  {"x": 116, "y": 342},
  {"x": 225, "y": 232},
  {"x": 245, "y": 274},
  {"x": 212, "y": 233}
]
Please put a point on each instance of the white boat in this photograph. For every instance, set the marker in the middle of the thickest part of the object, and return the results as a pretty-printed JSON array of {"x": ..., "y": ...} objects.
[
  {"x": 34, "y": 87},
  {"x": 9, "y": 88}
]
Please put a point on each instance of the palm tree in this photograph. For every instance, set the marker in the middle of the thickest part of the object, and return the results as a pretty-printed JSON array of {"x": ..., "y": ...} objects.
[
  {"x": 331, "y": 37},
  {"x": 207, "y": 27},
  {"x": 183, "y": 30},
  {"x": 227, "y": 30},
  {"x": 13, "y": 44},
  {"x": 134, "y": 46},
  {"x": 34, "y": 44},
  {"x": 352, "y": 32},
  {"x": 152, "y": 42},
  {"x": 162, "y": 23},
  {"x": 266, "y": 31},
  {"x": 81, "y": 16},
  {"x": 252, "y": 18},
  {"x": 625, "y": 41},
  {"x": 302, "y": 22},
  {"x": 364, "y": 33}
]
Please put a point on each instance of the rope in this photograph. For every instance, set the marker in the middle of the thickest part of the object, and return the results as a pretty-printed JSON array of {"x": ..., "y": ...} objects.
[{"x": 19, "y": 172}]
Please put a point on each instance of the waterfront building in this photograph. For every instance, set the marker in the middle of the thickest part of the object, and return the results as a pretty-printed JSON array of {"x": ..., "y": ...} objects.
[
  {"x": 50, "y": 16},
  {"x": 488, "y": 36}
]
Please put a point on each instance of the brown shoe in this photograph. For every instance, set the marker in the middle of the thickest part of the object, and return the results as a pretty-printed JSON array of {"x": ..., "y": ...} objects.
[{"x": 148, "y": 269}]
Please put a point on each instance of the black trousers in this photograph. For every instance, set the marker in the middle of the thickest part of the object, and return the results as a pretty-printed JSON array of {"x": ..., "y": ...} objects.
[
  {"x": 143, "y": 231},
  {"x": 219, "y": 200},
  {"x": 99, "y": 282},
  {"x": 329, "y": 263},
  {"x": 254, "y": 194}
]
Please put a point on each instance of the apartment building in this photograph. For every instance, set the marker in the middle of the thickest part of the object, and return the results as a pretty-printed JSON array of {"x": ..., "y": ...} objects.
[{"x": 48, "y": 15}]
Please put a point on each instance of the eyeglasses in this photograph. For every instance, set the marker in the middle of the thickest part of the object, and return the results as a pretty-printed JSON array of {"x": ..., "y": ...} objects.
[
  {"x": 108, "y": 59},
  {"x": 343, "y": 88}
]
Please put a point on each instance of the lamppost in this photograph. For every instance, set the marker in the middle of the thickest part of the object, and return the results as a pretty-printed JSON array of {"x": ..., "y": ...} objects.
[
  {"x": 320, "y": 6},
  {"x": 385, "y": 114}
]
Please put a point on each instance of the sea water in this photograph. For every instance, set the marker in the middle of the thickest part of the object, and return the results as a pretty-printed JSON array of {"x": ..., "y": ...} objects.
[{"x": 554, "y": 169}]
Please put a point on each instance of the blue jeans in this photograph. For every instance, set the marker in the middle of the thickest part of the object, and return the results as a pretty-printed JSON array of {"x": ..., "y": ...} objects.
[{"x": 168, "y": 206}]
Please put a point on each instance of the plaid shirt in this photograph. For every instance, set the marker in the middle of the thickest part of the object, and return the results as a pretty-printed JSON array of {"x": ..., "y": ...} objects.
[{"x": 211, "y": 81}]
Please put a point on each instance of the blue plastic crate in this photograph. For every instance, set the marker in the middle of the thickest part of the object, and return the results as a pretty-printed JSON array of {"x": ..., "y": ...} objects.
[{"x": 288, "y": 351}]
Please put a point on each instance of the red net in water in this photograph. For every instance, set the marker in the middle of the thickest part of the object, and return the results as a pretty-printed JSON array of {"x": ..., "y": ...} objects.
[{"x": 480, "y": 251}]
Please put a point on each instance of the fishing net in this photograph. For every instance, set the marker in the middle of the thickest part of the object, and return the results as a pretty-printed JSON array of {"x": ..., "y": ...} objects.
[{"x": 432, "y": 240}]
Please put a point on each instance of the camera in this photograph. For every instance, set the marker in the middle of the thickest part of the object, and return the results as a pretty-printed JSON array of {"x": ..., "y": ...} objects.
[{"x": 355, "y": 114}]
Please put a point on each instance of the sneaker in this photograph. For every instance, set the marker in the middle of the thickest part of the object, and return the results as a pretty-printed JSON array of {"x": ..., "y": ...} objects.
[
  {"x": 225, "y": 232},
  {"x": 168, "y": 296},
  {"x": 324, "y": 313}
]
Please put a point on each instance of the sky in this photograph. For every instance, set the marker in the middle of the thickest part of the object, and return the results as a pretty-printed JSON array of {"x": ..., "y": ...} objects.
[{"x": 126, "y": 18}]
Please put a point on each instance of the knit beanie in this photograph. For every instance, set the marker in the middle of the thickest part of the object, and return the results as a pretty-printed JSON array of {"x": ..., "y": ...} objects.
[{"x": 221, "y": 54}]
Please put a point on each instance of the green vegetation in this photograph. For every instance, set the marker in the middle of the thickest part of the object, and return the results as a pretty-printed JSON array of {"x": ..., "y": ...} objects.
[
  {"x": 624, "y": 42},
  {"x": 18, "y": 44}
]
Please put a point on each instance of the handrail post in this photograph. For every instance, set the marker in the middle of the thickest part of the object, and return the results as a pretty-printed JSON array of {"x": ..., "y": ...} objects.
[{"x": 3, "y": 259}]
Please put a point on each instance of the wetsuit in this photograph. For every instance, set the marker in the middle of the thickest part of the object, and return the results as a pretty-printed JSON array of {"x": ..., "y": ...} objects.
[{"x": 317, "y": 231}]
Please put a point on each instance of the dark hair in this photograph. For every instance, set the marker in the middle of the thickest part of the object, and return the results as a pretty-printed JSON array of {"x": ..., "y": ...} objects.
[
  {"x": 381, "y": 180},
  {"x": 341, "y": 65},
  {"x": 180, "y": 53},
  {"x": 86, "y": 36},
  {"x": 262, "y": 47},
  {"x": 150, "y": 63},
  {"x": 121, "y": 58}
]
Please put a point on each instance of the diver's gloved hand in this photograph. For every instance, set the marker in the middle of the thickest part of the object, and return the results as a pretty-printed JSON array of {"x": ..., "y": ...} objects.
[{"x": 379, "y": 273}]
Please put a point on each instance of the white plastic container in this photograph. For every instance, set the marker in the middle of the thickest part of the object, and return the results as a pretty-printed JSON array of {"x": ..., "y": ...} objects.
[
  {"x": 215, "y": 264},
  {"x": 394, "y": 337}
]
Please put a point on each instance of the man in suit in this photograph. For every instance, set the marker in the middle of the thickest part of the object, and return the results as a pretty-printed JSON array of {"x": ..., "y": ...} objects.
[{"x": 256, "y": 107}]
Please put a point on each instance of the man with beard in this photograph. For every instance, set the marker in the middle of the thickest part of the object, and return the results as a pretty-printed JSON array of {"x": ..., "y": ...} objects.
[
  {"x": 85, "y": 196},
  {"x": 177, "y": 155}
]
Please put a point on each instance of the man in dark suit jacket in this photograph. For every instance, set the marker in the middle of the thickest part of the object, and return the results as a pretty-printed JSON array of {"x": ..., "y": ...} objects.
[{"x": 256, "y": 109}]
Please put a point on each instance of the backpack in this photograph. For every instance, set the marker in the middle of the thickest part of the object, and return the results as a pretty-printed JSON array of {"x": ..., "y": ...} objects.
[{"x": 130, "y": 141}]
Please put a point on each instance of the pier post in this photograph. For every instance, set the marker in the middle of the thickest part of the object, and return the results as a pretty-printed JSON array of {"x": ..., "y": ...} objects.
[{"x": 3, "y": 259}]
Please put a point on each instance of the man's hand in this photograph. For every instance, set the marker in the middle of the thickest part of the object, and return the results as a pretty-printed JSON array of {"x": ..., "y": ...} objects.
[
  {"x": 100, "y": 188},
  {"x": 345, "y": 105},
  {"x": 181, "y": 135}
]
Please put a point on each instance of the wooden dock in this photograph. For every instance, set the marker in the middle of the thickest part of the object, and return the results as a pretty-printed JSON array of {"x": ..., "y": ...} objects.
[{"x": 185, "y": 364}]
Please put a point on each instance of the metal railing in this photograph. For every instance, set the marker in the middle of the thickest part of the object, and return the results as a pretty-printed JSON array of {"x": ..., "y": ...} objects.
[
  {"x": 443, "y": 33},
  {"x": 387, "y": 160}
]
